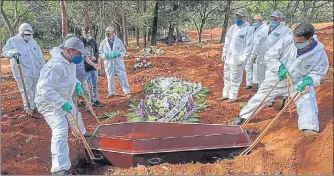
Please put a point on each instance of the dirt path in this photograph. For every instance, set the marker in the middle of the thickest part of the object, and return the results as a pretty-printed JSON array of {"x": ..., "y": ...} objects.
[{"x": 25, "y": 142}]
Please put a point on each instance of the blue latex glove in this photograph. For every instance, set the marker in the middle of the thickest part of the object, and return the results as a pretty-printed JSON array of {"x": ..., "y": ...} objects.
[
  {"x": 78, "y": 89},
  {"x": 67, "y": 107},
  {"x": 307, "y": 81}
]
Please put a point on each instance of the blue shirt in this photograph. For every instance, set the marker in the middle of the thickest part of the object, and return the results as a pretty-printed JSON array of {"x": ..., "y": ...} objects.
[
  {"x": 111, "y": 44},
  {"x": 301, "y": 52}
]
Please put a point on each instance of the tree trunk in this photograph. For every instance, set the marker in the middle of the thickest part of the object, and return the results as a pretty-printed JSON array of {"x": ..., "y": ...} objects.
[
  {"x": 124, "y": 31},
  {"x": 149, "y": 34},
  {"x": 170, "y": 34},
  {"x": 275, "y": 5},
  {"x": 145, "y": 41},
  {"x": 9, "y": 26},
  {"x": 137, "y": 36},
  {"x": 86, "y": 15},
  {"x": 137, "y": 27},
  {"x": 64, "y": 24},
  {"x": 177, "y": 35},
  {"x": 225, "y": 25},
  {"x": 101, "y": 4},
  {"x": 155, "y": 25},
  {"x": 200, "y": 36},
  {"x": 118, "y": 29}
]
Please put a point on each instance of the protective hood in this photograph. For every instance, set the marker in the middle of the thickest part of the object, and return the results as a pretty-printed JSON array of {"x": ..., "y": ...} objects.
[{"x": 56, "y": 55}]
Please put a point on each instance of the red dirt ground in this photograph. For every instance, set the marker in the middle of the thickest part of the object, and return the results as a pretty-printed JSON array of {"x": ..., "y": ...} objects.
[{"x": 25, "y": 142}]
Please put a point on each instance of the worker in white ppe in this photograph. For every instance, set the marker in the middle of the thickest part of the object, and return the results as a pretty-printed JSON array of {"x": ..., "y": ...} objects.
[
  {"x": 237, "y": 48},
  {"x": 31, "y": 61},
  {"x": 265, "y": 39},
  {"x": 305, "y": 61},
  {"x": 113, "y": 51},
  {"x": 258, "y": 27},
  {"x": 54, "y": 100}
]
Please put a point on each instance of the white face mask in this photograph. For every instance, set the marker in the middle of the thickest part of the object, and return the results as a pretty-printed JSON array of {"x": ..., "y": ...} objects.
[{"x": 27, "y": 37}]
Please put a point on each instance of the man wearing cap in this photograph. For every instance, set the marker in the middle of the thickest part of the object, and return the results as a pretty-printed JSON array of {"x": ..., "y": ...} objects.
[
  {"x": 265, "y": 40},
  {"x": 81, "y": 73},
  {"x": 237, "y": 48},
  {"x": 55, "y": 88},
  {"x": 251, "y": 68},
  {"x": 31, "y": 61}
]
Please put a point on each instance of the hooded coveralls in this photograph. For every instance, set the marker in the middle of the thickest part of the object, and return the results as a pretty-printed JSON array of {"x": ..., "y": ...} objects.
[{"x": 313, "y": 63}]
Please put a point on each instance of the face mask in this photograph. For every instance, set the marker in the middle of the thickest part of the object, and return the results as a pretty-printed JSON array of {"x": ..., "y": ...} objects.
[
  {"x": 272, "y": 24},
  {"x": 238, "y": 21},
  {"x": 77, "y": 59},
  {"x": 302, "y": 45},
  {"x": 256, "y": 25},
  {"x": 87, "y": 37},
  {"x": 27, "y": 37}
]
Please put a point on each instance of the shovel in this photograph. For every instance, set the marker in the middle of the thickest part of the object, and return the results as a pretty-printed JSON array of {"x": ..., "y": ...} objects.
[
  {"x": 17, "y": 58},
  {"x": 91, "y": 109},
  {"x": 95, "y": 158}
]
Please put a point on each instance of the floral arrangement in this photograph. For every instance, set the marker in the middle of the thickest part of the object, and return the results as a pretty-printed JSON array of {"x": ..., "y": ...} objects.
[
  {"x": 151, "y": 50},
  {"x": 169, "y": 99},
  {"x": 140, "y": 65}
]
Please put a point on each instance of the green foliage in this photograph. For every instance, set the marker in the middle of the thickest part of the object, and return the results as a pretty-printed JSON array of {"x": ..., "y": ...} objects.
[{"x": 45, "y": 17}]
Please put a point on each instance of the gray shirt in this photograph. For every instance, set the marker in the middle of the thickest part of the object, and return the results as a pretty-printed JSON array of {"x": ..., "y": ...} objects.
[{"x": 80, "y": 72}]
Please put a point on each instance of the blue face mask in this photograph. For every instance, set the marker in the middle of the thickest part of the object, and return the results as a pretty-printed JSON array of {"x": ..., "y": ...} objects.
[
  {"x": 238, "y": 21},
  {"x": 256, "y": 25},
  {"x": 302, "y": 45},
  {"x": 272, "y": 24},
  {"x": 77, "y": 59}
]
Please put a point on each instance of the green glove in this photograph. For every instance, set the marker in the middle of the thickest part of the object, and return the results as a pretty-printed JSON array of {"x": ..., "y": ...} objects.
[
  {"x": 115, "y": 54},
  {"x": 307, "y": 81},
  {"x": 78, "y": 89},
  {"x": 67, "y": 107},
  {"x": 282, "y": 72}
]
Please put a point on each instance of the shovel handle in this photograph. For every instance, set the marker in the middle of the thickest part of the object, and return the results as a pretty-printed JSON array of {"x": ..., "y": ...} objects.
[
  {"x": 23, "y": 83},
  {"x": 253, "y": 113},
  {"x": 89, "y": 150},
  {"x": 91, "y": 109},
  {"x": 295, "y": 97}
]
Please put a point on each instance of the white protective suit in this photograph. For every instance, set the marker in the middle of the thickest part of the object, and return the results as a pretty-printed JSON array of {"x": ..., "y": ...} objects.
[
  {"x": 249, "y": 65},
  {"x": 313, "y": 63},
  {"x": 238, "y": 46},
  {"x": 260, "y": 47},
  {"x": 31, "y": 61},
  {"x": 55, "y": 87},
  {"x": 115, "y": 66}
]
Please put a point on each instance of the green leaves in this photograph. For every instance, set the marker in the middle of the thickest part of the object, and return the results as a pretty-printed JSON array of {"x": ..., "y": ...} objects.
[
  {"x": 131, "y": 114},
  {"x": 136, "y": 119},
  {"x": 109, "y": 116},
  {"x": 201, "y": 107},
  {"x": 191, "y": 120}
]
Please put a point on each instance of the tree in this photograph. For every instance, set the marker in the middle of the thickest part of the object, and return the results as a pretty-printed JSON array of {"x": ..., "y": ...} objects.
[
  {"x": 225, "y": 24},
  {"x": 64, "y": 25},
  {"x": 203, "y": 12},
  {"x": 155, "y": 24},
  {"x": 20, "y": 10}
]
